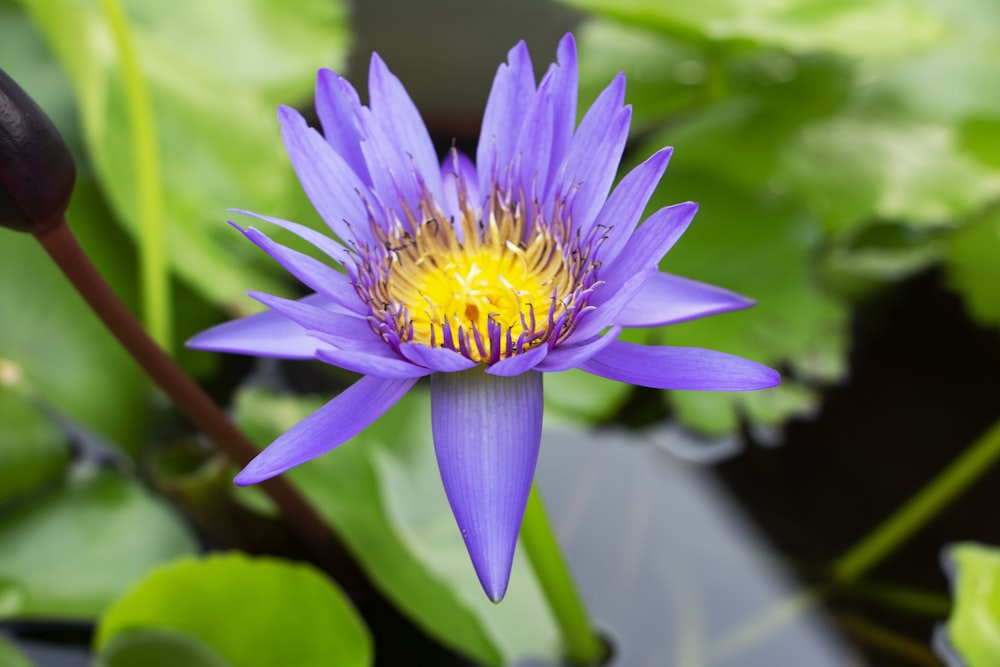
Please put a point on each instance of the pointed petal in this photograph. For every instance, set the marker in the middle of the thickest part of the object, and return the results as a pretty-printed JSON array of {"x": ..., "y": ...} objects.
[
  {"x": 533, "y": 149},
  {"x": 267, "y": 334},
  {"x": 564, "y": 92},
  {"x": 621, "y": 213},
  {"x": 314, "y": 318},
  {"x": 487, "y": 431},
  {"x": 333, "y": 249},
  {"x": 595, "y": 152},
  {"x": 401, "y": 123},
  {"x": 336, "y": 422},
  {"x": 512, "y": 92},
  {"x": 566, "y": 357},
  {"x": 332, "y": 186},
  {"x": 634, "y": 266},
  {"x": 679, "y": 368},
  {"x": 338, "y": 105},
  {"x": 313, "y": 273},
  {"x": 669, "y": 299}
]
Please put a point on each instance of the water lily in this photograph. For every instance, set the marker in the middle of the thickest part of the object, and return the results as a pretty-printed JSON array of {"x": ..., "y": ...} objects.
[{"x": 482, "y": 275}]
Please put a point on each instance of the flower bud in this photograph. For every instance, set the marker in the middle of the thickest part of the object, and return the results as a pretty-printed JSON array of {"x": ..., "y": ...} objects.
[{"x": 36, "y": 168}]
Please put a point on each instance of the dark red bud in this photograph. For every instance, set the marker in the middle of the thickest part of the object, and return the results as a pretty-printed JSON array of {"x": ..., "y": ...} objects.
[{"x": 36, "y": 168}]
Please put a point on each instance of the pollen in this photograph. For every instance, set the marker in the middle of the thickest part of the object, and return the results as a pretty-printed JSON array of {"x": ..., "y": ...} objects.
[{"x": 490, "y": 283}]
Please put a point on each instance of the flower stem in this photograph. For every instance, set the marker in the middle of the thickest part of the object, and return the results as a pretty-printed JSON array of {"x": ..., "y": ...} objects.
[
  {"x": 920, "y": 509},
  {"x": 61, "y": 244},
  {"x": 154, "y": 277},
  {"x": 582, "y": 645}
]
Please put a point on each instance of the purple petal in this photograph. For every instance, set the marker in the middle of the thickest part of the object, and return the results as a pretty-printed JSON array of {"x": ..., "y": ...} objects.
[
  {"x": 317, "y": 275},
  {"x": 457, "y": 166},
  {"x": 333, "y": 424},
  {"x": 513, "y": 90},
  {"x": 622, "y": 211},
  {"x": 566, "y": 357},
  {"x": 266, "y": 334},
  {"x": 333, "y": 249},
  {"x": 486, "y": 435},
  {"x": 338, "y": 105},
  {"x": 564, "y": 92},
  {"x": 314, "y": 318},
  {"x": 331, "y": 184},
  {"x": 679, "y": 368},
  {"x": 533, "y": 149},
  {"x": 375, "y": 360},
  {"x": 519, "y": 363},
  {"x": 634, "y": 267},
  {"x": 669, "y": 299},
  {"x": 401, "y": 122},
  {"x": 436, "y": 358},
  {"x": 595, "y": 152}
]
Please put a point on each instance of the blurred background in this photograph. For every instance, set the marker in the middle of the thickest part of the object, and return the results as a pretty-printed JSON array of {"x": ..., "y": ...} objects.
[{"x": 846, "y": 159}]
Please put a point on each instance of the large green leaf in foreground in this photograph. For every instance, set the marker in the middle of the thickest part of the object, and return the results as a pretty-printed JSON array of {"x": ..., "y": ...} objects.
[{"x": 232, "y": 609}]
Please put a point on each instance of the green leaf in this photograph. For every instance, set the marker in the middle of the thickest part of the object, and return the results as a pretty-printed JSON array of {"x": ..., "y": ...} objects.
[
  {"x": 382, "y": 493},
  {"x": 863, "y": 28},
  {"x": 215, "y": 75},
  {"x": 34, "y": 450},
  {"x": 11, "y": 656},
  {"x": 71, "y": 553},
  {"x": 974, "y": 268},
  {"x": 62, "y": 353},
  {"x": 973, "y": 628},
  {"x": 890, "y": 168},
  {"x": 157, "y": 647},
  {"x": 251, "y": 612},
  {"x": 763, "y": 247}
]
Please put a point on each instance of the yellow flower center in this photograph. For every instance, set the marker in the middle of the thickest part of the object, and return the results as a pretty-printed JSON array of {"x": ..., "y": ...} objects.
[{"x": 489, "y": 290}]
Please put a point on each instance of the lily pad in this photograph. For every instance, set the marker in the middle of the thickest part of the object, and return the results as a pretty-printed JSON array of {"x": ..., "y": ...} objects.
[
  {"x": 34, "y": 450},
  {"x": 251, "y": 612},
  {"x": 70, "y": 553}
]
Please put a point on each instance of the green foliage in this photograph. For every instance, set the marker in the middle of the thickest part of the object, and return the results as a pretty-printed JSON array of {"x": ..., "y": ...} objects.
[
  {"x": 973, "y": 629},
  {"x": 382, "y": 494},
  {"x": 230, "y": 609},
  {"x": 215, "y": 74},
  {"x": 826, "y": 161},
  {"x": 70, "y": 553},
  {"x": 34, "y": 450}
]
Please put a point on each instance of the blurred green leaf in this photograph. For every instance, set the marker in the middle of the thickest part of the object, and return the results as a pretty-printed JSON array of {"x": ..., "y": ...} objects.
[
  {"x": 215, "y": 74},
  {"x": 11, "y": 656},
  {"x": 973, "y": 628},
  {"x": 34, "y": 450},
  {"x": 251, "y": 612},
  {"x": 855, "y": 168},
  {"x": 61, "y": 351},
  {"x": 157, "y": 647},
  {"x": 762, "y": 246},
  {"x": 382, "y": 493},
  {"x": 72, "y": 552},
  {"x": 850, "y": 27},
  {"x": 973, "y": 263}
]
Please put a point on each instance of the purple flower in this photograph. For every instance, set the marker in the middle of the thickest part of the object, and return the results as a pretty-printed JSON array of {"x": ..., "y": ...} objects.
[{"x": 480, "y": 275}]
